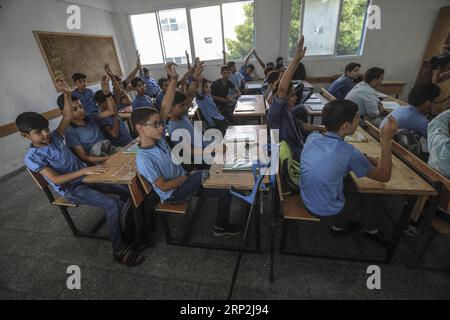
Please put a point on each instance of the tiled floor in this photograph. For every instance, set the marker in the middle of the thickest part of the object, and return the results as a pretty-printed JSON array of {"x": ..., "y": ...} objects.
[{"x": 36, "y": 247}]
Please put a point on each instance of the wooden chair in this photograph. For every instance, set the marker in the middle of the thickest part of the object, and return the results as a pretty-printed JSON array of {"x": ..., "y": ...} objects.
[
  {"x": 63, "y": 204},
  {"x": 166, "y": 209},
  {"x": 324, "y": 92}
]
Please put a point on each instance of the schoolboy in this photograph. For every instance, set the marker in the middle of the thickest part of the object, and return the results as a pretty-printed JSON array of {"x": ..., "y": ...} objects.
[
  {"x": 342, "y": 86},
  {"x": 142, "y": 100},
  {"x": 83, "y": 93}
]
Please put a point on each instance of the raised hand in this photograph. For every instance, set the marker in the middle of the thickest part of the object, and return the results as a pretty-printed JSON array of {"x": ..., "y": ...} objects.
[
  {"x": 198, "y": 69},
  {"x": 108, "y": 70},
  {"x": 389, "y": 130},
  {"x": 62, "y": 86},
  {"x": 171, "y": 70},
  {"x": 301, "y": 49},
  {"x": 105, "y": 84}
]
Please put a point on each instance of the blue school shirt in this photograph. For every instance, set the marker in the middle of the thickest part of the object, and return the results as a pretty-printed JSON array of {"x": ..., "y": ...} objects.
[
  {"x": 85, "y": 136},
  {"x": 439, "y": 143},
  {"x": 184, "y": 123},
  {"x": 341, "y": 87},
  {"x": 209, "y": 109},
  {"x": 152, "y": 87},
  {"x": 325, "y": 161},
  {"x": 409, "y": 118},
  {"x": 243, "y": 72},
  {"x": 124, "y": 137},
  {"x": 142, "y": 102},
  {"x": 57, "y": 156},
  {"x": 159, "y": 100},
  {"x": 238, "y": 80},
  {"x": 155, "y": 162},
  {"x": 87, "y": 100},
  {"x": 279, "y": 117}
]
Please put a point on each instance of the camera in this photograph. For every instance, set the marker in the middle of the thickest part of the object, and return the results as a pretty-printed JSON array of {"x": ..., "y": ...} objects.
[{"x": 440, "y": 60}]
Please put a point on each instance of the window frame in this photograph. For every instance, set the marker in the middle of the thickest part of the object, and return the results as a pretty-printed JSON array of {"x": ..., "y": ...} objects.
[
  {"x": 188, "y": 27},
  {"x": 326, "y": 57}
]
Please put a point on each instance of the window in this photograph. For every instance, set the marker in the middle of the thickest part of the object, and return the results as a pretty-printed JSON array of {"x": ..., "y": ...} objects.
[
  {"x": 215, "y": 28},
  {"x": 330, "y": 27},
  {"x": 207, "y": 32},
  {"x": 143, "y": 25},
  {"x": 351, "y": 27},
  {"x": 239, "y": 28},
  {"x": 174, "y": 32}
]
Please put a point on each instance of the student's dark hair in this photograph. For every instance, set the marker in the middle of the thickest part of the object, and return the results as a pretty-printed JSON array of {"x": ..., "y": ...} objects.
[
  {"x": 279, "y": 66},
  {"x": 146, "y": 70},
  {"x": 224, "y": 68},
  {"x": 141, "y": 115},
  {"x": 338, "y": 112},
  {"x": 78, "y": 76},
  {"x": 161, "y": 81},
  {"x": 251, "y": 66},
  {"x": 270, "y": 64},
  {"x": 231, "y": 64},
  {"x": 272, "y": 77},
  {"x": 291, "y": 88},
  {"x": 136, "y": 81},
  {"x": 99, "y": 97},
  {"x": 279, "y": 59},
  {"x": 60, "y": 100},
  {"x": 268, "y": 70},
  {"x": 205, "y": 82},
  {"x": 423, "y": 93},
  {"x": 352, "y": 66},
  {"x": 25, "y": 122},
  {"x": 179, "y": 97},
  {"x": 373, "y": 74}
]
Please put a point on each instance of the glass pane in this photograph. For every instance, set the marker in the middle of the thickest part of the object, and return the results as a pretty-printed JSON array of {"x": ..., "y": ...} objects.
[
  {"x": 176, "y": 42},
  {"x": 239, "y": 28},
  {"x": 207, "y": 31},
  {"x": 146, "y": 35},
  {"x": 351, "y": 27},
  {"x": 294, "y": 29},
  {"x": 320, "y": 25}
]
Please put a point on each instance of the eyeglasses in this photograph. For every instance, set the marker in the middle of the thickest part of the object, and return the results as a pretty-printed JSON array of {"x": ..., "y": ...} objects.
[{"x": 155, "y": 125}]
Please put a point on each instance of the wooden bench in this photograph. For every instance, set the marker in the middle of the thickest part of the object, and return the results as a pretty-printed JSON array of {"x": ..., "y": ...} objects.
[{"x": 63, "y": 204}]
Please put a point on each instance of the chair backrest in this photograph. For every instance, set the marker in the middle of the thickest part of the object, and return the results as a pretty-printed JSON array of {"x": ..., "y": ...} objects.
[
  {"x": 327, "y": 94},
  {"x": 38, "y": 179},
  {"x": 145, "y": 184}
]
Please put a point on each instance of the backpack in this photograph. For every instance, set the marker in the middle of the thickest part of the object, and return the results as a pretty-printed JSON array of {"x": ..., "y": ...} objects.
[{"x": 289, "y": 170}]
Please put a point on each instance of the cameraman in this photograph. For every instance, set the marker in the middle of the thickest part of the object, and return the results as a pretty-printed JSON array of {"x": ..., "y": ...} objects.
[{"x": 441, "y": 77}]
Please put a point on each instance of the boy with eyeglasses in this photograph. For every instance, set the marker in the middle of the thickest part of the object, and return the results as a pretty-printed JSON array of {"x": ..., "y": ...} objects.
[{"x": 154, "y": 162}]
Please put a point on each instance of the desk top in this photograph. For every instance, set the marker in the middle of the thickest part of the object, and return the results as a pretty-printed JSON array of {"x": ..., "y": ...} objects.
[
  {"x": 260, "y": 109},
  {"x": 122, "y": 170},
  {"x": 404, "y": 180},
  {"x": 312, "y": 112},
  {"x": 220, "y": 179}
]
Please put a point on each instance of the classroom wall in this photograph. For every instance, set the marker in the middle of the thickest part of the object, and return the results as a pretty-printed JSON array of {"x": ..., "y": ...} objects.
[{"x": 25, "y": 83}]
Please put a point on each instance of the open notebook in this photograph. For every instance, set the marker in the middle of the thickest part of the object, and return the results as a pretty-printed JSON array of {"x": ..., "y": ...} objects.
[
  {"x": 232, "y": 136},
  {"x": 390, "y": 105},
  {"x": 356, "y": 137},
  {"x": 238, "y": 164}
]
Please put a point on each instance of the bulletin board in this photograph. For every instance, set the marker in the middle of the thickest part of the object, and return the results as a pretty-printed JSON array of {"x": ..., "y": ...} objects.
[{"x": 68, "y": 53}]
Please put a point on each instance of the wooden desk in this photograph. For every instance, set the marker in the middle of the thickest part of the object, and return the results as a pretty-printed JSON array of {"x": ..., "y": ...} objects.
[
  {"x": 253, "y": 87},
  {"x": 316, "y": 113},
  {"x": 220, "y": 179},
  {"x": 259, "y": 105},
  {"x": 394, "y": 88},
  {"x": 404, "y": 181}
]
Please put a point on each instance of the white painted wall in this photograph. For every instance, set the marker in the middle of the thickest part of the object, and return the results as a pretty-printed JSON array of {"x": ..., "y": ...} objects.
[{"x": 25, "y": 83}]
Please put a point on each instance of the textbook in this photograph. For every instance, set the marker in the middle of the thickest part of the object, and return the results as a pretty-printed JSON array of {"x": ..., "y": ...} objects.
[
  {"x": 390, "y": 105},
  {"x": 244, "y": 164},
  {"x": 316, "y": 107},
  {"x": 356, "y": 137},
  {"x": 313, "y": 101},
  {"x": 232, "y": 136}
]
